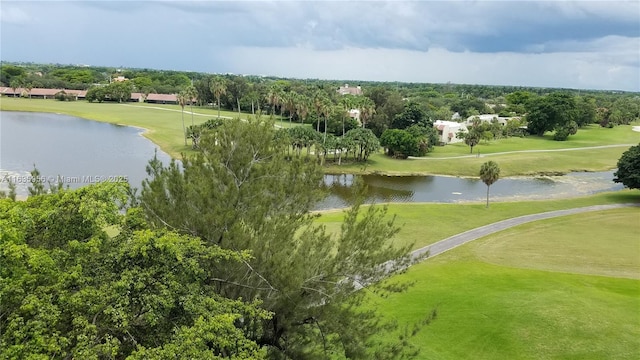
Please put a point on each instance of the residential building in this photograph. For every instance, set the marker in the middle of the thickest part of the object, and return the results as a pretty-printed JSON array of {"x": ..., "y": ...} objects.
[
  {"x": 344, "y": 90},
  {"x": 448, "y": 131}
]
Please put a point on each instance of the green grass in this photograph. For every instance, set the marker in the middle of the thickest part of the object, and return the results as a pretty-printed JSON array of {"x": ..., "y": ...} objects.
[
  {"x": 591, "y": 135},
  {"x": 494, "y": 301},
  {"x": 597, "y": 243},
  {"x": 425, "y": 223}
]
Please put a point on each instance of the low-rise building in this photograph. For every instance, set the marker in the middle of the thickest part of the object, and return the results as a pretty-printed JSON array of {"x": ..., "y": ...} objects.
[
  {"x": 344, "y": 90},
  {"x": 448, "y": 131}
]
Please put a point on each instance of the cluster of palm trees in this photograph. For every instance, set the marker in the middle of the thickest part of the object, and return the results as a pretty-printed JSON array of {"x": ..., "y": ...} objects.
[
  {"x": 359, "y": 142},
  {"x": 291, "y": 104},
  {"x": 321, "y": 103},
  {"x": 17, "y": 83}
]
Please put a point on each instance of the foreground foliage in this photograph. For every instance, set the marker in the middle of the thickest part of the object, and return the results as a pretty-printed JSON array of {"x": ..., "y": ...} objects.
[
  {"x": 242, "y": 192},
  {"x": 69, "y": 290}
]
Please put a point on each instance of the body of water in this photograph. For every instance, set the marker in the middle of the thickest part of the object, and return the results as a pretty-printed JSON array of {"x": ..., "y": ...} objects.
[
  {"x": 79, "y": 152},
  {"x": 71, "y": 150},
  {"x": 447, "y": 189}
]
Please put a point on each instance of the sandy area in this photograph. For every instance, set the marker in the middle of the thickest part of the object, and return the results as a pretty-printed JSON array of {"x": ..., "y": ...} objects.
[{"x": 636, "y": 128}]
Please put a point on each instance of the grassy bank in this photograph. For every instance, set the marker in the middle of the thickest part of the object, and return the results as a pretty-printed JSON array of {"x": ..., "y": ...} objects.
[
  {"x": 164, "y": 127},
  {"x": 424, "y": 224},
  {"x": 564, "y": 288}
]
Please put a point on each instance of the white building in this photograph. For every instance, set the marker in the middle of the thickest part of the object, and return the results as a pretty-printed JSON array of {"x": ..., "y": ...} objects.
[{"x": 448, "y": 131}]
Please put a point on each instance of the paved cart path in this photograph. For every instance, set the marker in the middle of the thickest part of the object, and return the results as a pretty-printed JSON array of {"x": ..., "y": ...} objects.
[
  {"x": 477, "y": 233},
  {"x": 521, "y": 151}
]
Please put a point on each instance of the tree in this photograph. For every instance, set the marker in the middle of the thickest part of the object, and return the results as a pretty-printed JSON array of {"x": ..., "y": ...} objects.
[
  {"x": 119, "y": 91},
  {"x": 182, "y": 98},
  {"x": 399, "y": 143},
  {"x": 364, "y": 141},
  {"x": 411, "y": 115},
  {"x": 28, "y": 86},
  {"x": 218, "y": 88},
  {"x": 275, "y": 97},
  {"x": 489, "y": 174},
  {"x": 290, "y": 103},
  {"x": 347, "y": 102},
  {"x": 586, "y": 111},
  {"x": 96, "y": 93},
  {"x": 471, "y": 137},
  {"x": 628, "y": 172},
  {"x": 16, "y": 83},
  {"x": 367, "y": 109},
  {"x": 192, "y": 94},
  {"x": 242, "y": 192},
  {"x": 238, "y": 87},
  {"x": 414, "y": 141},
  {"x": 554, "y": 111},
  {"x": 71, "y": 290}
]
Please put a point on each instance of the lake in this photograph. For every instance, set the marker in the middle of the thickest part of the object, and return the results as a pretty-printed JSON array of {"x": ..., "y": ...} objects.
[
  {"x": 76, "y": 151},
  {"x": 79, "y": 152}
]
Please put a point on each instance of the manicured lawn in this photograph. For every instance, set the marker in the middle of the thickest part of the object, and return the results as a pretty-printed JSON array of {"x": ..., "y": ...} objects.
[
  {"x": 510, "y": 296},
  {"x": 591, "y": 135},
  {"x": 596, "y": 243},
  {"x": 424, "y": 224}
]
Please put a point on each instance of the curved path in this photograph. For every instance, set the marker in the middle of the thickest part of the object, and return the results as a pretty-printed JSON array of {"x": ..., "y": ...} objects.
[
  {"x": 474, "y": 234},
  {"x": 522, "y": 151}
]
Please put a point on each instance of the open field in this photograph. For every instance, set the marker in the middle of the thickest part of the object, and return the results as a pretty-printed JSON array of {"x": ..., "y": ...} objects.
[
  {"x": 164, "y": 125},
  {"x": 538, "y": 291},
  {"x": 425, "y": 224}
]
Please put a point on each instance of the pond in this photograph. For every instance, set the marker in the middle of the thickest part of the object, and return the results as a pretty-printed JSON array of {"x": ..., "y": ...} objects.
[
  {"x": 454, "y": 189},
  {"x": 79, "y": 152},
  {"x": 75, "y": 151}
]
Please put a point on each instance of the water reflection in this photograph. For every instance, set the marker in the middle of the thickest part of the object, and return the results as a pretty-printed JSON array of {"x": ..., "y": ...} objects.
[{"x": 453, "y": 189}]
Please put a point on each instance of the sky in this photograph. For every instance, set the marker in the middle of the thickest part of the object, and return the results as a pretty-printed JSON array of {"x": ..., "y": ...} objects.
[{"x": 566, "y": 44}]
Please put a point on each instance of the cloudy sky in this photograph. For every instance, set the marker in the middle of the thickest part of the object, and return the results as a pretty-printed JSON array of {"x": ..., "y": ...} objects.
[{"x": 574, "y": 44}]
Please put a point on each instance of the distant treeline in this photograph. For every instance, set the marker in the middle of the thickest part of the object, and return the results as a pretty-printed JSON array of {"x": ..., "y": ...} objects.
[{"x": 307, "y": 100}]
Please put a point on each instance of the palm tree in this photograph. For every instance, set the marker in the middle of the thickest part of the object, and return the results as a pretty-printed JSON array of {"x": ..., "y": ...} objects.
[
  {"x": 291, "y": 102},
  {"x": 326, "y": 108},
  {"x": 218, "y": 88},
  {"x": 182, "y": 98},
  {"x": 28, "y": 87},
  {"x": 274, "y": 98},
  {"x": 192, "y": 94},
  {"x": 347, "y": 103},
  {"x": 15, "y": 83},
  {"x": 304, "y": 104},
  {"x": 319, "y": 98},
  {"x": 489, "y": 173},
  {"x": 367, "y": 109}
]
